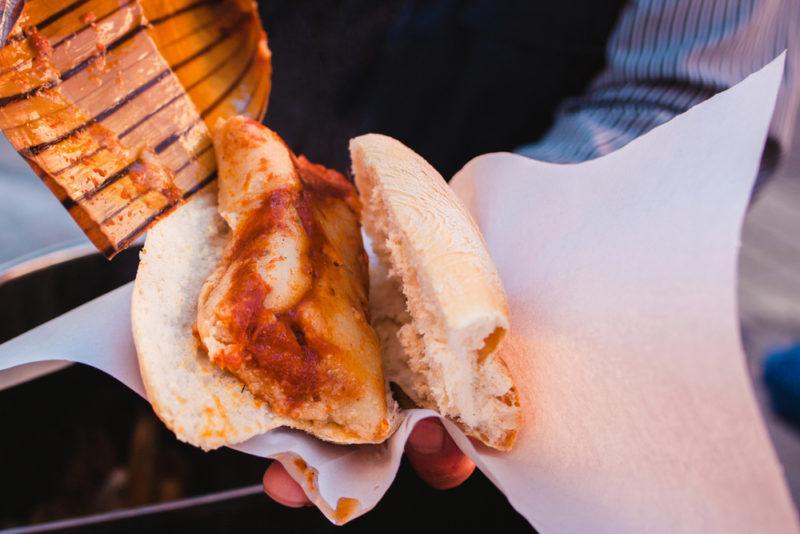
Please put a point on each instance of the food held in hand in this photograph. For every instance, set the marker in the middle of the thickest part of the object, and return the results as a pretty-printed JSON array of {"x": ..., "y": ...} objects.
[{"x": 253, "y": 309}]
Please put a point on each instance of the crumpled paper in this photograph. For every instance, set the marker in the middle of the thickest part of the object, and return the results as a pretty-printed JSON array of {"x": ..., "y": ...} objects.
[{"x": 621, "y": 277}]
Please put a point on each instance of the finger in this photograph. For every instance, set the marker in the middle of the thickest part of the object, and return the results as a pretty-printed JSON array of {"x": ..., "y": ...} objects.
[
  {"x": 435, "y": 456},
  {"x": 282, "y": 487}
]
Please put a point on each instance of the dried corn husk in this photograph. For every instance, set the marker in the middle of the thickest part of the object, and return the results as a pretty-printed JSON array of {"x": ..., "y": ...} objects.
[{"x": 110, "y": 101}]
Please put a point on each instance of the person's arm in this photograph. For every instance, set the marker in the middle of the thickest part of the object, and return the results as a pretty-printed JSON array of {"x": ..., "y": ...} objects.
[{"x": 664, "y": 57}]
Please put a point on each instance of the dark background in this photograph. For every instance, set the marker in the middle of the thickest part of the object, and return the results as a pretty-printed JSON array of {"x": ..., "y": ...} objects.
[{"x": 452, "y": 79}]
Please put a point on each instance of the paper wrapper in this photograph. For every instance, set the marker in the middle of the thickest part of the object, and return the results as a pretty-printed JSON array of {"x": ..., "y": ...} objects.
[
  {"x": 621, "y": 277},
  {"x": 111, "y": 101}
]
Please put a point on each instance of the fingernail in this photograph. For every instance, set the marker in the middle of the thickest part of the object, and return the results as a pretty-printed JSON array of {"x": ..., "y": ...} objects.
[
  {"x": 427, "y": 437},
  {"x": 291, "y": 503}
]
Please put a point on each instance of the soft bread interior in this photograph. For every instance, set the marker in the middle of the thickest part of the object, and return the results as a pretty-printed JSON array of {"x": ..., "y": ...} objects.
[
  {"x": 435, "y": 297},
  {"x": 202, "y": 404}
]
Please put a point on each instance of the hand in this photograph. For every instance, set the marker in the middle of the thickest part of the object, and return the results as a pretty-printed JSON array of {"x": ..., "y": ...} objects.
[{"x": 430, "y": 449}]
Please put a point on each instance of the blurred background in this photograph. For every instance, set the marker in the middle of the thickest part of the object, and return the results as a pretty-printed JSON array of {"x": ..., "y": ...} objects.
[{"x": 452, "y": 80}]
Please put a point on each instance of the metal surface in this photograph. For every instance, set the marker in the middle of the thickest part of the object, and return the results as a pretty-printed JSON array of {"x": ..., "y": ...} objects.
[
  {"x": 37, "y": 261},
  {"x": 44, "y": 258},
  {"x": 44, "y": 277},
  {"x": 121, "y": 515},
  {"x": 47, "y": 283}
]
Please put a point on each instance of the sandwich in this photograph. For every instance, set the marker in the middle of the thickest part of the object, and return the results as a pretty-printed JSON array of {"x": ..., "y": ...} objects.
[{"x": 258, "y": 304}]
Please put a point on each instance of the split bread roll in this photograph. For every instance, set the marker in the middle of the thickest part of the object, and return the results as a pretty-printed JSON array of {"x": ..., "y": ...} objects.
[
  {"x": 327, "y": 350},
  {"x": 252, "y": 314},
  {"x": 435, "y": 298}
]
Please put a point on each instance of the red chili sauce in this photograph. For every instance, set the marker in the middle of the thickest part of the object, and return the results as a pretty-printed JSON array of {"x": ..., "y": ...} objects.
[{"x": 272, "y": 346}]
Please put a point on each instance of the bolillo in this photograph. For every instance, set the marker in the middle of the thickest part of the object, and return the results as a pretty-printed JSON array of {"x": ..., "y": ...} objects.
[
  {"x": 249, "y": 308},
  {"x": 428, "y": 315}
]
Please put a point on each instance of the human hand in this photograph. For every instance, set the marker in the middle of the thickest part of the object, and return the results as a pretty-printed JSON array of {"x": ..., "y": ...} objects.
[{"x": 430, "y": 449}]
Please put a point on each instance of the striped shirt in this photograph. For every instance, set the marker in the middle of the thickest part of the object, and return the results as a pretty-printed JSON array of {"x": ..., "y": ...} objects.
[{"x": 665, "y": 56}]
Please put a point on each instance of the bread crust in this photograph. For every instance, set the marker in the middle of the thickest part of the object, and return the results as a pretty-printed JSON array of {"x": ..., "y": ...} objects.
[
  {"x": 457, "y": 313},
  {"x": 200, "y": 403}
]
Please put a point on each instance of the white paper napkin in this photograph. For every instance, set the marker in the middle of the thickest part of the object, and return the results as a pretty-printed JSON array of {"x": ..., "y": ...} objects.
[{"x": 621, "y": 276}]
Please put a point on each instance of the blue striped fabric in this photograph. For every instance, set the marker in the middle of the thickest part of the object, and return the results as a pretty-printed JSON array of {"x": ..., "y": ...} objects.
[{"x": 665, "y": 56}]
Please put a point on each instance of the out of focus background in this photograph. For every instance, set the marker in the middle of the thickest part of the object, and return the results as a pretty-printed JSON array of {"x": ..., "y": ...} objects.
[{"x": 76, "y": 443}]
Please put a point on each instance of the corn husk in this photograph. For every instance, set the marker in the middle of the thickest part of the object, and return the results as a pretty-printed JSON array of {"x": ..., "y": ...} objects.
[{"x": 111, "y": 101}]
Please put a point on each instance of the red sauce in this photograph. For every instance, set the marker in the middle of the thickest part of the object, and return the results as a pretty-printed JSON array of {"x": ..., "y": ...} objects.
[
  {"x": 260, "y": 224},
  {"x": 275, "y": 348},
  {"x": 323, "y": 180},
  {"x": 148, "y": 174},
  {"x": 305, "y": 210},
  {"x": 40, "y": 44},
  {"x": 274, "y": 344},
  {"x": 345, "y": 508},
  {"x": 89, "y": 18}
]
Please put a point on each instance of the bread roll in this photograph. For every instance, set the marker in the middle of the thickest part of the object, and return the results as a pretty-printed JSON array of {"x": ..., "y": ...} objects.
[
  {"x": 331, "y": 383},
  {"x": 436, "y": 303},
  {"x": 436, "y": 300}
]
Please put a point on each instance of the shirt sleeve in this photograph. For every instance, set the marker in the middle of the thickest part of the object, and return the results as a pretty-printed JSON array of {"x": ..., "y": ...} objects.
[{"x": 665, "y": 56}]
